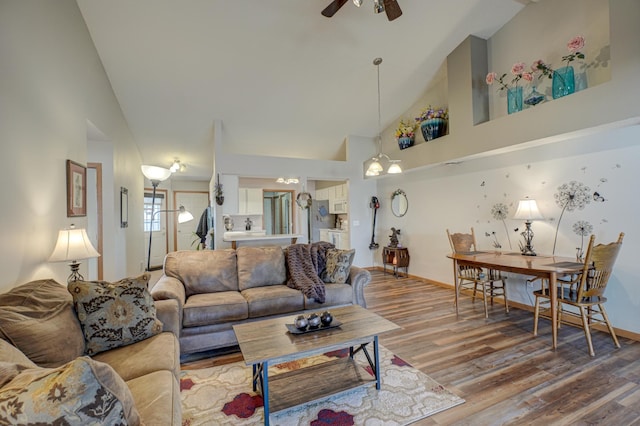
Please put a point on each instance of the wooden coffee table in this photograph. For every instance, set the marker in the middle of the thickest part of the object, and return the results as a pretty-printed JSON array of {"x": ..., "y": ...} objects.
[{"x": 268, "y": 342}]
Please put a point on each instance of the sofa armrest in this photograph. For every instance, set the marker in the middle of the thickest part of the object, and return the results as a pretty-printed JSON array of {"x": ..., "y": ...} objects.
[
  {"x": 168, "y": 312},
  {"x": 169, "y": 288},
  {"x": 359, "y": 278}
]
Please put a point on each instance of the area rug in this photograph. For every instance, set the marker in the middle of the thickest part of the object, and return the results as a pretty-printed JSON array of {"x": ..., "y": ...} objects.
[{"x": 223, "y": 395}]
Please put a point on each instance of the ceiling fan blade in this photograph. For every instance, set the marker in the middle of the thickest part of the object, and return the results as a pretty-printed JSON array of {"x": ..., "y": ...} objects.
[
  {"x": 331, "y": 10},
  {"x": 393, "y": 9}
]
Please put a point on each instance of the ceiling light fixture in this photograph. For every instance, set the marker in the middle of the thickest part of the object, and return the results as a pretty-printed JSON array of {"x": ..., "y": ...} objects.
[
  {"x": 288, "y": 181},
  {"x": 177, "y": 166},
  {"x": 358, "y": 3},
  {"x": 375, "y": 167}
]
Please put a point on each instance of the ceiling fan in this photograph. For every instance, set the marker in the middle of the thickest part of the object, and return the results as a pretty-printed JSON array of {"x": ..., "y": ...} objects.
[{"x": 391, "y": 7}]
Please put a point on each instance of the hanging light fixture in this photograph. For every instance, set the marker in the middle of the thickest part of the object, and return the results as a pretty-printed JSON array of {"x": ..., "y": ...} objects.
[{"x": 375, "y": 167}]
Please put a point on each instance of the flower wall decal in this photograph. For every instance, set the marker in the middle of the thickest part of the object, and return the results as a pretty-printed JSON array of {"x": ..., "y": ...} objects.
[
  {"x": 582, "y": 228},
  {"x": 570, "y": 196},
  {"x": 500, "y": 211}
]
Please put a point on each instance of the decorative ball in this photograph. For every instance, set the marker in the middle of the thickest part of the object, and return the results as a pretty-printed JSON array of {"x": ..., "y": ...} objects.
[
  {"x": 301, "y": 323},
  {"x": 326, "y": 318},
  {"x": 314, "y": 320}
]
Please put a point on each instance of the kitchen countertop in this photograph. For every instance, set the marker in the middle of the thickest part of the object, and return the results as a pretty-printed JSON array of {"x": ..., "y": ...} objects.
[{"x": 257, "y": 236}]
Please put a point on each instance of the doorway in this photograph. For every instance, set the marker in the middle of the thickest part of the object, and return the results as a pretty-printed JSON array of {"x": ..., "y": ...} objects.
[
  {"x": 156, "y": 224},
  {"x": 278, "y": 211},
  {"x": 195, "y": 202}
]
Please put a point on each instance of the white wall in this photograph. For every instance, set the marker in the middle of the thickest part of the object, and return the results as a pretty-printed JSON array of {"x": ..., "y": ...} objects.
[
  {"x": 52, "y": 83},
  {"x": 461, "y": 196}
]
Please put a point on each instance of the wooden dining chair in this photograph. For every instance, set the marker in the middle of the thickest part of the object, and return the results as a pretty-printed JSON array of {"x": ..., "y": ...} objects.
[
  {"x": 585, "y": 293},
  {"x": 489, "y": 283}
]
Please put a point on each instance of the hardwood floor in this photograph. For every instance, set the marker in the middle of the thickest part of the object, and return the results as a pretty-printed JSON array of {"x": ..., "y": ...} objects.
[{"x": 505, "y": 374}]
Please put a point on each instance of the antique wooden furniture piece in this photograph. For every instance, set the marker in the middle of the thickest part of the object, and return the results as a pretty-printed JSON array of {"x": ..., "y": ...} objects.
[
  {"x": 489, "y": 282},
  {"x": 585, "y": 292},
  {"x": 265, "y": 343},
  {"x": 545, "y": 267},
  {"x": 397, "y": 257}
]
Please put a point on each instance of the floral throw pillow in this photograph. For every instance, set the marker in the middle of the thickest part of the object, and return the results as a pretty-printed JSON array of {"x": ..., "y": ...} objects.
[
  {"x": 338, "y": 265},
  {"x": 114, "y": 314},
  {"x": 81, "y": 392}
]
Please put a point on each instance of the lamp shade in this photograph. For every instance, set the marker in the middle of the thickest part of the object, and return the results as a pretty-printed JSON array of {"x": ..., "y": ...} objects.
[
  {"x": 155, "y": 174},
  {"x": 394, "y": 168},
  {"x": 73, "y": 244},
  {"x": 374, "y": 168},
  {"x": 184, "y": 215},
  {"x": 528, "y": 210}
]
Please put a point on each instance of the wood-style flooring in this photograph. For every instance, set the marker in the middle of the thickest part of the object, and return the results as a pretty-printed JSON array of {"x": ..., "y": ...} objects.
[{"x": 506, "y": 375}]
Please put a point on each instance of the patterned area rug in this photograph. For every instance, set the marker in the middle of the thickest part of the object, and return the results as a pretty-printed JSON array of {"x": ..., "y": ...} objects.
[{"x": 223, "y": 395}]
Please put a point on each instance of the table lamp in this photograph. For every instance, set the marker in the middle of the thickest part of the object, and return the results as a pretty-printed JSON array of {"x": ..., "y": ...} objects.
[
  {"x": 73, "y": 245},
  {"x": 528, "y": 211}
]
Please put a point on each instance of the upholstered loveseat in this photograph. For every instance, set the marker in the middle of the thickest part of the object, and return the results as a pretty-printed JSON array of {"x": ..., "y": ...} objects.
[
  {"x": 216, "y": 289},
  {"x": 46, "y": 376}
]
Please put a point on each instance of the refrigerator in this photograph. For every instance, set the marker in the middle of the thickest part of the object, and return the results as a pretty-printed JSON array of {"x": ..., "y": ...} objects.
[{"x": 320, "y": 218}]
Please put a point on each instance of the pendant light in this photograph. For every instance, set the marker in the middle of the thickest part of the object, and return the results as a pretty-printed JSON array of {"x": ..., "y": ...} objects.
[{"x": 375, "y": 167}]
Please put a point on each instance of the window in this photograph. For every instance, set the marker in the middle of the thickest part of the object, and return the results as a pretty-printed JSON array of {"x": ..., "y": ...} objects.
[{"x": 149, "y": 211}]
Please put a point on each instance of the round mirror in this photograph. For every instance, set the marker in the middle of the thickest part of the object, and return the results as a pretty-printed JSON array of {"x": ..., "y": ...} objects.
[{"x": 399, "y": 203}]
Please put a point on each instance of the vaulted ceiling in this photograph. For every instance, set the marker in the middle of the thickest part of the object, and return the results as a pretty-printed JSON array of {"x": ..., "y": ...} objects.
[{"x": 282, "y": 79}]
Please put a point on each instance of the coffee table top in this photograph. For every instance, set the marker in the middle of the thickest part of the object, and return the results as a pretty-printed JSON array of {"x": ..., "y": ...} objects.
[{"x": 269, "y": 341}]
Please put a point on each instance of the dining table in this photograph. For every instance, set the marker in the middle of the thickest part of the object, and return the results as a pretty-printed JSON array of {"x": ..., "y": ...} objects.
[{"x": 539, "y": 266}]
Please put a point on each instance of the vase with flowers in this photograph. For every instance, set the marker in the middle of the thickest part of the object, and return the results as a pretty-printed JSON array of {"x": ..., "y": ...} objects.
[
  {"x": 563, "y": 78},
  {"x": 514, "y": 91},
  {"x": 433, "y": 122},
  {"x": 405, "y": 134}
]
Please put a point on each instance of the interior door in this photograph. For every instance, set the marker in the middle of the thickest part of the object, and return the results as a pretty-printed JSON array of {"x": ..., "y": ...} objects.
[
  {"x": 156, "y": 223},
  {"x": 196, "y": 203}
]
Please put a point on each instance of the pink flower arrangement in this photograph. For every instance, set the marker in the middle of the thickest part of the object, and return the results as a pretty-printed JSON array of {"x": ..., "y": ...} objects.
[
  {"x": 575, "y": 45},
  {"x": 518, "y": 72}
]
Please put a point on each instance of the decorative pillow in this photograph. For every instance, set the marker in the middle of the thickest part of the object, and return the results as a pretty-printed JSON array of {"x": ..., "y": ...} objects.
[
  {"x": 338, "y": 265},
  {"x": 81, "y": 392},
  {"x": 114, "y": 314},
  {"x": 38, "y": 318}
]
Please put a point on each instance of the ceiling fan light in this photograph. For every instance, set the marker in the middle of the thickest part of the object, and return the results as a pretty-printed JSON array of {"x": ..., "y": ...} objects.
[{"x": 358, "y": 3}]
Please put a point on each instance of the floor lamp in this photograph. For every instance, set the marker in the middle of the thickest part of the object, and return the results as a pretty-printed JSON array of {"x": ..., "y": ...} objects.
[{"x": 155, "y": 175}]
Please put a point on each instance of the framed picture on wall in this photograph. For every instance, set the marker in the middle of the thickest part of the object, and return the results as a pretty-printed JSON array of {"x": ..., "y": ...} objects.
[
  {"x": 76, "y": 189},
  {"x": 124, "y": 207}
]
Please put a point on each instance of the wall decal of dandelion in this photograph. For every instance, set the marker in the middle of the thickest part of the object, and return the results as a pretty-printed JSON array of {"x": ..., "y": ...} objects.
[
  {"x": 495, "y": 242},
  {"x": 500, "y": 211},
  {"x": 582, "y": 228},
  {"x": 570, "y": 196}
]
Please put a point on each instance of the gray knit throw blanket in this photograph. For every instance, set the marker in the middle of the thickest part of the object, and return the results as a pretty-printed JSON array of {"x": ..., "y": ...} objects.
[{"x": 305, "y": 264}]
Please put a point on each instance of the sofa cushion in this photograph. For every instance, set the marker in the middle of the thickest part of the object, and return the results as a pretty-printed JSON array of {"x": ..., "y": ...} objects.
[
  {"x": 157, "y": 398},
  {"x": 114, "y": 314},
  {"x": 11, "y": 354},
  {"x": 160, "y": 352},
  {"x": 38, "y": 318},
  {"x": 214, "y": 308},
  {"x": 205, "y": 271},
  {"x": 83, "y": 391},
  {"x": 273, "y": 300},
  {"x": 260, "y": 266},
  {"x": 335, "y": 295},
  {"x": 338, "y": 265}
]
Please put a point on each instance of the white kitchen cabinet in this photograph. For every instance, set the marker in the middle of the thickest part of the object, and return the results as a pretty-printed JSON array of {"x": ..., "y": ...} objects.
[
  {"x": 340, "y": 239},
  {"x": 338, "y": 199},
  {"x": 322, "y": 194},
  {"x": 324, "y": 235},
  {"x": 250, "y": 201}
]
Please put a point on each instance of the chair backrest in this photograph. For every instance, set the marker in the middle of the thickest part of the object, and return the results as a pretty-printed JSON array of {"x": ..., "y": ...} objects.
[
  {"x": 598, "y": 265},
  {"x": 462, "y": 242}
]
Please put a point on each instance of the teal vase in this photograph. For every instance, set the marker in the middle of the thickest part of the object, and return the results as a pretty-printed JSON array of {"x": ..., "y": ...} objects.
[
  {"x": 563, "y": 82},
  {"x": 405, "y": 142},
  {"x": 433, "y": 128},
  {"x": 514, "y": 99}
]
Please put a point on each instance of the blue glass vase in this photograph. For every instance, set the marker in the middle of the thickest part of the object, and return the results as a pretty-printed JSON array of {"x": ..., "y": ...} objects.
[
  {"x": 405, "y": 142},
  {"x": 433, "y": 128},
  {"x": 563, "y": 82},
  {"x": 514, "y": 99}
]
